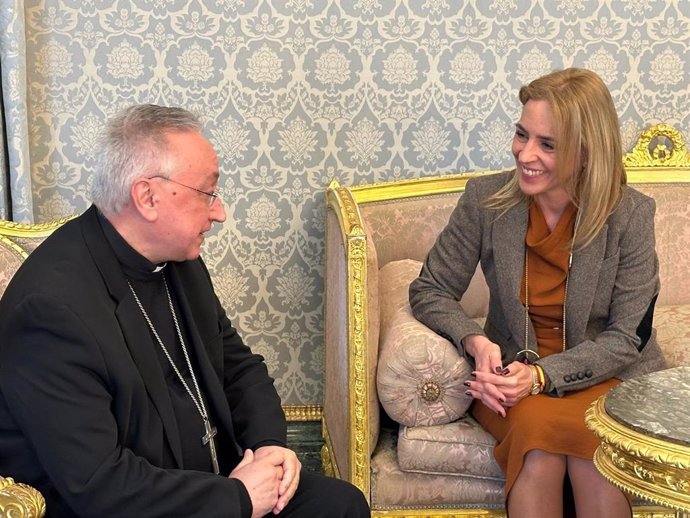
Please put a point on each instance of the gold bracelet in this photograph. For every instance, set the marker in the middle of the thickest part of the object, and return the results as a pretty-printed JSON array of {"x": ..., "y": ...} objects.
[
  {"x": 536, "y": 386},
  {"x": 541, "y": 376}
]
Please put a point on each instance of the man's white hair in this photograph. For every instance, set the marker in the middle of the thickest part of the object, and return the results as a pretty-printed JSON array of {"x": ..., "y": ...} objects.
[{"x": 133, "y": 145}]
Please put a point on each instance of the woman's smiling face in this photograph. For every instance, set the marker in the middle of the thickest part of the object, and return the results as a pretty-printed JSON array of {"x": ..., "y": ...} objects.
[{"x": 534, "y": 148}]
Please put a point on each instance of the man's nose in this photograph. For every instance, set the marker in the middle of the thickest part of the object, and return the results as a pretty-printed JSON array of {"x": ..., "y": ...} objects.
[{"x": 218, "y": 210}]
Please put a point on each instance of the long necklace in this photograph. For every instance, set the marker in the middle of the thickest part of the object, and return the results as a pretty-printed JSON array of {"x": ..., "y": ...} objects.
[
  {"x": 525, "y": 353},
  {"x": 198, "y": 400}
]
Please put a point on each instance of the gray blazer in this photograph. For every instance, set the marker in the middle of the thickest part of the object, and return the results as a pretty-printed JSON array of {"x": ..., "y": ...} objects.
[{"x": 613, "y": 285}]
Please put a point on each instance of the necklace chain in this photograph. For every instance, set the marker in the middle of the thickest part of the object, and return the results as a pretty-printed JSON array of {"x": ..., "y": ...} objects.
[
  {"x": 198, "y": 400},
  {"x": 211, "y": 432},
  {"x": 526, "y": 351}
]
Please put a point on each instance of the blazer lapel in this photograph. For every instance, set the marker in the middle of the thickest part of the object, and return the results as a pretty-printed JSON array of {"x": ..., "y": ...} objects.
[
  {"x": 509, "y": 252},
  {"x": 136, "y": 335},
  {"x": 582, "y": 285}
]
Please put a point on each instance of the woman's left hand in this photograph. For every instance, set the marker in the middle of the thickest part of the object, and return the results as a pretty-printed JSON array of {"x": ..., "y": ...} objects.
[{"x": 515, "y": 382}]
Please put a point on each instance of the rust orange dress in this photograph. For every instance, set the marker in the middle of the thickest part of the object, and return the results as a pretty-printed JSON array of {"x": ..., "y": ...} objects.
[{"x": 544, "y": 422}]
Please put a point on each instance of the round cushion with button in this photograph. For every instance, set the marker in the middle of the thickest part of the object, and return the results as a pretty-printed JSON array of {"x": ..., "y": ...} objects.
[{"x": 420, "y": 375}]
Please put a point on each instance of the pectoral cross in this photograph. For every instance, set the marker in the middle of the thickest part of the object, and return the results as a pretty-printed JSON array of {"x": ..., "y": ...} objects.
[{"x": 211, "y": 432}]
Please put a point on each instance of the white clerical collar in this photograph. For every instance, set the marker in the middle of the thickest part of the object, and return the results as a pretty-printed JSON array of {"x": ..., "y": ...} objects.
[{"x": 160, "y": 267}]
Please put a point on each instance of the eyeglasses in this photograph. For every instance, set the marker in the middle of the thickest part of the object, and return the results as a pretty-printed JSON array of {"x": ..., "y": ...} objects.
[{"x": 211, "y": 195}]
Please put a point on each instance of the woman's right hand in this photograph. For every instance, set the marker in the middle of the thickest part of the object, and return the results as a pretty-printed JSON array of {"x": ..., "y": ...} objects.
[{"x": 487, "y": 359}]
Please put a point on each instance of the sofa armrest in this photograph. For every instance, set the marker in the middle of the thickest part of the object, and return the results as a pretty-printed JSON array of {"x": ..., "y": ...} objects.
[
  {"x": 351, "y": 408},
  {"x": 367, "y": 227}
]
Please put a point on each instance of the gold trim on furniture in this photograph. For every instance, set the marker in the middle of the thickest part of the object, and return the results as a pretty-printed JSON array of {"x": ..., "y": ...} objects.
[
  {"x": 656, "y": 470},
  {"x": 10, "y": 230},
  {"x": 295, "y": 413},
  {"x": 640, "y": 512},
  {"x": 660, "y": 146},
  {"x": 660, "y": 155},
  {"x": 20, "y": 500},
  {"x": 442, "y": 513},
  {"x": 330, "y": 468},
  {"x": 411, "y": 188},
  {"x": 358, "y": 361}
]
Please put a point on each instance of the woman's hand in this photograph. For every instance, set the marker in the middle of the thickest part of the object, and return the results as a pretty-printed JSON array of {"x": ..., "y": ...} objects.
[
  {"x": 487, "y": 359},
  {"x": 514, "y": 383}
]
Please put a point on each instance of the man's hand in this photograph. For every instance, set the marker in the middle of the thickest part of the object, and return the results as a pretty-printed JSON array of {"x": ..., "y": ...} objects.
[
  {"x": 291, "y": 467},
  {"x": 262, "y": 478}
]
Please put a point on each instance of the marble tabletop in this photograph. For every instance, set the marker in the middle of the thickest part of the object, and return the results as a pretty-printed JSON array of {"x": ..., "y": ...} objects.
[{"x": 656, "y": 404}]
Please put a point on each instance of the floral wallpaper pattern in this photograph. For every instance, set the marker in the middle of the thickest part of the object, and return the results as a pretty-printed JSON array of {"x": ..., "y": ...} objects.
[{"x": 295, "y": 93}]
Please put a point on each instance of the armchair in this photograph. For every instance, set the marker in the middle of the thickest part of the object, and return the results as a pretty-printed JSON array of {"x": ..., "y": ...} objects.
[
  {"x": 17, "y": 241},
  {"x": 375, "y": 236}
]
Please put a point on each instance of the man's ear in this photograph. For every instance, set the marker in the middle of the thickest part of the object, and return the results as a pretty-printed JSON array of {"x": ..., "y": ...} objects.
[{"x": 144, "y": 198}]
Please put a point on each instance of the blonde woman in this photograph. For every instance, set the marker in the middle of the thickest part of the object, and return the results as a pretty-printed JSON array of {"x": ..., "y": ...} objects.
[{"x": 567, "y": 250}]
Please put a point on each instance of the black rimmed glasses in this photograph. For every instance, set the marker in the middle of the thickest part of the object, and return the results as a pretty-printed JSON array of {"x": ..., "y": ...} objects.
[{"x": 211, "y": 195}]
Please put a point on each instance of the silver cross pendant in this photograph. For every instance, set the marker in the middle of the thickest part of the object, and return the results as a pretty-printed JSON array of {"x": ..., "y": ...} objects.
[{"x": 211, "y": 432}]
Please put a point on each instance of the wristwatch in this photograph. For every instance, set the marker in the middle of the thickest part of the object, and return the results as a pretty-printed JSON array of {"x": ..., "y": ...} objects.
[{"x": 536, "y": 386}]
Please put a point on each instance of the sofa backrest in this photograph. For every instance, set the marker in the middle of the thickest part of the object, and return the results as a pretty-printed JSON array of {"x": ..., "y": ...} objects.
[{"x": 406, "y": 228}]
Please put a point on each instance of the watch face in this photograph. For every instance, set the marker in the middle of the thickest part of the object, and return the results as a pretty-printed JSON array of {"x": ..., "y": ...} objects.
[{"x": 535, "y": 389}]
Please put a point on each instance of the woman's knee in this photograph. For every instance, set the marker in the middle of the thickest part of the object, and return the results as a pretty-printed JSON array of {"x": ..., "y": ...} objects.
[{"x": 545, "y": 464}]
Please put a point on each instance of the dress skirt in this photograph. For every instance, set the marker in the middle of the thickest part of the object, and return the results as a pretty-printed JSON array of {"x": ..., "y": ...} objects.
[{"x": 541, "y": 422}]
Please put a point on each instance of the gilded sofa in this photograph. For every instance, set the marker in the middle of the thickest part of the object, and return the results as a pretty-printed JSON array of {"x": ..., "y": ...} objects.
[{"x": 375, "y": 236}]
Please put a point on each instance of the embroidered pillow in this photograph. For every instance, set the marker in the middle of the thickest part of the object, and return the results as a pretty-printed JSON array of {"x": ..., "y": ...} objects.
[{"x": 420, "y": 374}]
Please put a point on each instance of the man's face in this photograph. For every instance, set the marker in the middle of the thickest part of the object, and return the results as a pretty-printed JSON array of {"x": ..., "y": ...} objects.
[{"x": 185, "y": 213}]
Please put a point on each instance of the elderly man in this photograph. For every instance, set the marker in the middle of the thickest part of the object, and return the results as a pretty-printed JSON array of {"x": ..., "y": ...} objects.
[{"x": 125, "y": 390}]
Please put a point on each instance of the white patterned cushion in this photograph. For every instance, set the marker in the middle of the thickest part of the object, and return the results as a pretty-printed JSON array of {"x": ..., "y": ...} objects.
[
  {"x": 393, "y": 488},
  {"x": 460, "y": 448},
  {"x": 420, "y": 374}
]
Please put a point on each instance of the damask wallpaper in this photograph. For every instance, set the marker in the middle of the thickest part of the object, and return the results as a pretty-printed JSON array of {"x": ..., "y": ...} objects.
[{"x": 295, "y": 93}]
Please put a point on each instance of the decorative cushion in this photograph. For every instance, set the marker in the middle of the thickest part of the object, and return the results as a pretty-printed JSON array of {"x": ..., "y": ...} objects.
[
  {"x": 392, "y": 488},
  {"x": 672, "y": 325},
  {"x": 460, "y": 448},
  {"x": 420, "y": 374}
]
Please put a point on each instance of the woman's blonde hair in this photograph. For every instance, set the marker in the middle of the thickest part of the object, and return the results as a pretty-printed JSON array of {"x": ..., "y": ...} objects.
[{"x": 589, "y": 156}]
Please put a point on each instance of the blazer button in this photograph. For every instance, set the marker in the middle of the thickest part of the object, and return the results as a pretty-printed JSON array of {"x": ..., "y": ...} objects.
[
  {"x": 580, "y": 375},
  {"x": 566, "y": 378},
  {"x": 588, "y": 373}
]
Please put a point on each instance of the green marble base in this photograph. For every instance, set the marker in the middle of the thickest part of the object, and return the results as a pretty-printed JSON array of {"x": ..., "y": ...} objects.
[{"x": 304, "y": 437}]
